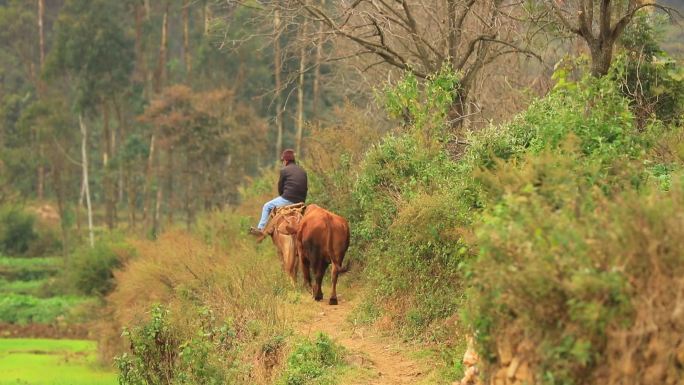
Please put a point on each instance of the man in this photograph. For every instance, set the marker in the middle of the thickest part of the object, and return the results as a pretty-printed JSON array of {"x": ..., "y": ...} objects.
[{"x": 292, "y": 187}]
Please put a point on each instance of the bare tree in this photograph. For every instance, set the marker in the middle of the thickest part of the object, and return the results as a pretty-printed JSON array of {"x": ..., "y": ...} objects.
[
  {"x": 320, "y": 36},
  {"x": 422, "y": 36},
  {"x": 187, "y": 57},
  {"x": 41, "y": 90},
  {"x": 599, "y": 23},
  {"x": 300, "y": 86},
  {"x": 278, "y": 68},
  {"x": 86, "y": 184}
]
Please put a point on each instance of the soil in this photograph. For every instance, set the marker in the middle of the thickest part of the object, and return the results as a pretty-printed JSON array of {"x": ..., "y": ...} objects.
[
  {"x": 44, "y": 331},
  {"x": 383, "y": 358}
]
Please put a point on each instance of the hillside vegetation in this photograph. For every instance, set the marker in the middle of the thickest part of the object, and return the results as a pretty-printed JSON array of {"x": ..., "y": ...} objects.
[
  {"x": 512, "y": 172},
  {"x": 555, "y": 240}
]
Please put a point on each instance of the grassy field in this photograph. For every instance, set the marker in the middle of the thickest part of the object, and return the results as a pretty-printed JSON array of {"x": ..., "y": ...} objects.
[{"x": 51, "y": 362}]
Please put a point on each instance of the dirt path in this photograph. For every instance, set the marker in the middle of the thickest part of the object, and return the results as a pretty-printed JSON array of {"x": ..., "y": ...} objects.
[{"x": 384, "y": 361}]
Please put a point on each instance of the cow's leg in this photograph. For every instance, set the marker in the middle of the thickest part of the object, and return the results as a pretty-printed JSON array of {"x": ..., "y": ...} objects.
[
  {"x": 306, "y": 272},
  {"x": 334, "y": 272},
  {"x": 290, "y": 261},
  {"x": 321, "y": 266}
]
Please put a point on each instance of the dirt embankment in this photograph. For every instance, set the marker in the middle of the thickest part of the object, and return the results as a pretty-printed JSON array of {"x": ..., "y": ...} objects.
[{"x": 44, "y": 331}]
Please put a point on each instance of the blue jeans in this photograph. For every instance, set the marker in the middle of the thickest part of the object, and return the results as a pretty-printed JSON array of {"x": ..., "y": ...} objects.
[{"x": 277, "y": 202}]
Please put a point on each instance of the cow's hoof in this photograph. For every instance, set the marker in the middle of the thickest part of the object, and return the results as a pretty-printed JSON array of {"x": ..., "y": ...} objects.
[
  {"x": 332, "y": 301},
  {"x": 318, "y": 297}
]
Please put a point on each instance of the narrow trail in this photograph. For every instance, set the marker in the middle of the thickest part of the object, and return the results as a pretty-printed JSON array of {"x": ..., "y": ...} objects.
[{"x": 383, "y": 360}]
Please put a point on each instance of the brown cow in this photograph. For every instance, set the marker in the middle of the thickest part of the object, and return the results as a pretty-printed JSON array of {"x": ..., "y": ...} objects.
[
  {"x": 283, "y": 240},
  {"x": 322, "y": 238}
]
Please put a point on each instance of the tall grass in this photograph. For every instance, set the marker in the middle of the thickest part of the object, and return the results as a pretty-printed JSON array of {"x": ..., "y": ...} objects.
[{"x": 220, "y": 293}]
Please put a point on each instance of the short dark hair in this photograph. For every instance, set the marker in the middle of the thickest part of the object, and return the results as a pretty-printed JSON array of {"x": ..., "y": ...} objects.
[{"x": 288, "y": 156}]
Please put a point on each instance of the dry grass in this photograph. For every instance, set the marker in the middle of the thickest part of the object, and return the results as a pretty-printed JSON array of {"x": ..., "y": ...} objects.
[{"x": 232, "y": 282}]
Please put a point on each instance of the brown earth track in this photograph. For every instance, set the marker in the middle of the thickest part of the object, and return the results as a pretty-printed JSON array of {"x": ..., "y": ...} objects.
[
  {"x": 44, "y": 331},
  {"x": 383, "y": 358}
]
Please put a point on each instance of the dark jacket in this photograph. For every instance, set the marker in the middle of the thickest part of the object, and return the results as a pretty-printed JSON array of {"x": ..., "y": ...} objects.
[{"x": 293, "y": 183}]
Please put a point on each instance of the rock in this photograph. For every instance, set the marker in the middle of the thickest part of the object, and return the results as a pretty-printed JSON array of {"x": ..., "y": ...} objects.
[
  {"x": 500, "y": 377},
  {"x": 680, "y": 354},
  {"x": 505, "y": 353},
  {"x": 524, "y": 374},
  {"x": 471, "y": 358},
  {"x": 654, "y": 374},
  {"x": 513, "y": 367}
]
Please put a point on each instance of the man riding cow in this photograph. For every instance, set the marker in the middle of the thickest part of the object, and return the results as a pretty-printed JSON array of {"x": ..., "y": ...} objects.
[{"x": 292, "y": 187}]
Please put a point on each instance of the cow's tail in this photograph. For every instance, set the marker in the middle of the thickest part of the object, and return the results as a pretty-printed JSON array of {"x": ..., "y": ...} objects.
[
  {"x": 347, "y": 266},
  {"x": 329, "y": 225}
]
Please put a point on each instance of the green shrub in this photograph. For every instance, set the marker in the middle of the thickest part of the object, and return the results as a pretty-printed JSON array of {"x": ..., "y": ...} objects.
[
  {"x": 311, "y": 362},
  {"x": 21, "y": 235},
  {"x": 593, "y": 111},
  {"x": 90, "y": 269},
  {"x": 421, "y": 264},
  {"x": 394, "y": 172},
  {"x": 648, "y": 77},
  {"x": 563, "y": 261},
  {"x": 16, "y": 231}
]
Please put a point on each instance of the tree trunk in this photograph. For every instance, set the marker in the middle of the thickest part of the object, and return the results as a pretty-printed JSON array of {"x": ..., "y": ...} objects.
[
  {"x": 57, "y": 168},
  {"x": 131, "y": 194},
  {"x": 188, "y": 174},
  {"x": 317, "y": 69},
  {"x": 41, "y": 41},
  {"x": 300, "y": 88},
  {"x": 171, "y": 206},
  {"x": 157, "y": 211},
  {"x": 86, "y": 186},
  {"x": 148, "y": 180},
  {"x": 41, "y": 170},
  {"x": 107, "y": 185},
  {"x": 278, "y": 83},
  {"x": 207, "y": 18},
  {"x": 123, "y": 136},
  {"x": 41, "y": 91},
  {"x": 140, "y": 66},
  {"x": 186, "y": 40},
  {"x": 160, "y": 73},
  {"x": 601, "y": 58}
]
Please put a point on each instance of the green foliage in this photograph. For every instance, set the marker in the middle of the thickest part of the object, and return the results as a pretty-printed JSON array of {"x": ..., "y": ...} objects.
[
  {"x": 395, "y": 171},
  {"x": 424, "y": 106},
  {"x": 649, "y": 78},
  {"x": 91, "y": 47},
  {"x": 560, "y": 257},
  {"x": 25, "y": 309},
  {"x": 91, "y": 269},
  {"x": 312, "y": 362},
  {"x": 424, "y": 222},
  {"x": 161, "y": 355},
  {"x": 593, "y": 110},
  {"x": 22, "y": 236},
  {"x": 154, "y": 352},
  {"x": 17, "y": 231}
]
